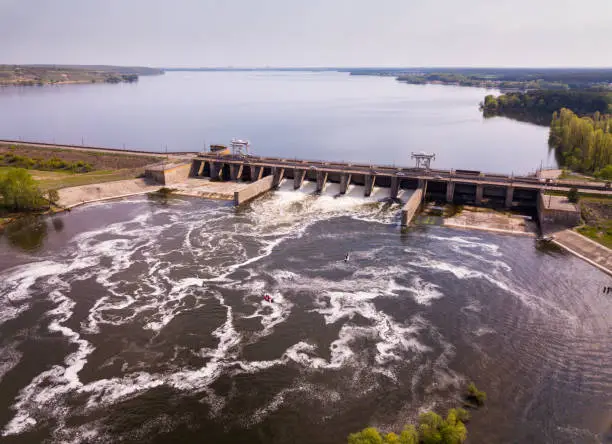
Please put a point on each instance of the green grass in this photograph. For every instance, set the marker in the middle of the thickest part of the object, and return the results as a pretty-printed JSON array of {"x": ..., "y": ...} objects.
[
  {"x": 600, "y": 233},
  {"x": 569, "y": 175},
  {"x": 62, "y": 179},
  {"x": 582, "y": 195},
  {"x": 598, "y": 224},
  {"x": 73, "y": 180}
]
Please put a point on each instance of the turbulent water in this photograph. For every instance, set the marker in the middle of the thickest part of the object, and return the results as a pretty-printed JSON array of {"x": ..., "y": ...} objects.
[{"x": 143, "y": 321}]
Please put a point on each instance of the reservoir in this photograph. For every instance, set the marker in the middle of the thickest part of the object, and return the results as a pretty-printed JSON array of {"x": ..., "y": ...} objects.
[{"x": 309, "y": 115}]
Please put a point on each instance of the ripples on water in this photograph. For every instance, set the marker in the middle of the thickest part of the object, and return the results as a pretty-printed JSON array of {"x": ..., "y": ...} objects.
[{"x": 152, "y": 327}]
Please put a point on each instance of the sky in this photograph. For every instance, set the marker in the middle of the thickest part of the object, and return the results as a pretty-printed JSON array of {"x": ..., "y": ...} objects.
[{"x": 307, "y": 33}]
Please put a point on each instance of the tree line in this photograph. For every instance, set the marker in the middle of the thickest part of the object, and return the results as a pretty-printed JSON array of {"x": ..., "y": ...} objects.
[
  {"x": 545, "y": 102},
  {"x": 583, "y": 143}
]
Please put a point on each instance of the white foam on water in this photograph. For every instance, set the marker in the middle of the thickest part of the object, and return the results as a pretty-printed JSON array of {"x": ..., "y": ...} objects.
[
  {"x": 271, "y": 313},
  {"x": 473, "y": 242},
  {"x": 424, "y": 292},
  {"x": 9, "y": 358},
  {"x": 282, "y": 215},
  {"x": 526, "y": 298},
  {"x": 481, "y": 331}
]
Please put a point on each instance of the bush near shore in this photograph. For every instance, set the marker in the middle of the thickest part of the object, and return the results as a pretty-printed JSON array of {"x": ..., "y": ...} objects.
[
  {"x": 431, "y": 429},
  {"x": 19, "y": 192}
]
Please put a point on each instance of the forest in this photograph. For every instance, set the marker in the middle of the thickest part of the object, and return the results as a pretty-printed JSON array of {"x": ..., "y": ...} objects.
[
  {"x": 544, "y": 102},
  {"x": 583, "y": 143}
]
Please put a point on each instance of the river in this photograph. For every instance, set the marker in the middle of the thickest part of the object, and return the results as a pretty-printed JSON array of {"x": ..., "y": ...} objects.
[
  {"x": 142, "y": 320},
  {"x": 311, "y": 115}
]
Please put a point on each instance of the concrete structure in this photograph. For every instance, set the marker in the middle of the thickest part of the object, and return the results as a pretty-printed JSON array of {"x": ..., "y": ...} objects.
[
  {"x": 411, "y": 207},
  {"x": 345, "y": 180},
  {"x": 253, "y": 190},
  {"x": 220, "y": 150},
  {"x": 461, "y": 186},
  {"x": 298, "y": 178},
  {"x": 321, "y": 181},
  {"x": 586, "y": 249},
  {"x": 556, "y": 212},
  {"x": 168, "y": 174}
]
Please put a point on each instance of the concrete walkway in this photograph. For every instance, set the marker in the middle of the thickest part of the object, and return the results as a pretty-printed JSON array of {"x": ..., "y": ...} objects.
[
  {"x": 583, "y": 247},
  {"x": 204, "y": 188},
  {"x": 74, "y": 196}
]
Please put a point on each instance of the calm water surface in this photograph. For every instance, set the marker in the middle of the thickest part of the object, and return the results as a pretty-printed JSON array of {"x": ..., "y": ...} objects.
[
  {"x": 330, "y": 116},
  {"x": 142, "y": 321}
]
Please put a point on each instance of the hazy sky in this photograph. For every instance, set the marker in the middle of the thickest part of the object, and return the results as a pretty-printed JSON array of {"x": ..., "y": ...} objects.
[{"x": 307, "y": 32}]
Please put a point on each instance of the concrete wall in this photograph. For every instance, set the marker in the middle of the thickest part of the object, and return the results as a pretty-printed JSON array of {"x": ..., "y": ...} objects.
[
  {"x": 177, "y": 174},
  {"x": 411, "y": 206},
  {"x": 556, "y": 212},
  {"x": 173, "y": 174},
  {"x": 253, "y": 190},
  {"x": 156, "y": 175}
]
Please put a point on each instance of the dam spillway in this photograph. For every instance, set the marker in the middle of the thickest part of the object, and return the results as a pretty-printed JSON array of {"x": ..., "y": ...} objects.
[{"x": 263, "y": 174}]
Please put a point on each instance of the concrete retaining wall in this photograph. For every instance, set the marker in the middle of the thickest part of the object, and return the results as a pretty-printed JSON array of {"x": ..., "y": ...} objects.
[
  {"x": 170, "y": 175},
  {"x": 253, "y": 190},
  {"x": 411, "y": 206},
  {"x": 156, "y": 175},
  {"x": 555, "y": 212},
  {"x": 177, "y": 174}
]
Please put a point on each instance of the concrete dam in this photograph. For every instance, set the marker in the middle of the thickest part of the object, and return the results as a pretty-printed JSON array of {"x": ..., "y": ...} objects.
[{"x": 451, "y": 186}]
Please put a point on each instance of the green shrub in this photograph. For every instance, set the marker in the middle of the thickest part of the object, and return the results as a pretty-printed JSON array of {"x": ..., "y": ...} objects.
[
  {"x": 19, "y": 191},
  {"x": 475, "y": 396},
  {"x": 432, "y": 429},
  {"x": 573, "y": 195},
  {"x": 605, "y": 173}
]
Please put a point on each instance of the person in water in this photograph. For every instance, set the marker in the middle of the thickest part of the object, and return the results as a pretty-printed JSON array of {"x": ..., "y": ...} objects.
[{"x": 267, "y": 298}]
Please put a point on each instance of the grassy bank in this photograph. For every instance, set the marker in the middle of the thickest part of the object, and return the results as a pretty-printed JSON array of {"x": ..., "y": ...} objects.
[
  {"x": 52, "y": 168},
  {"x": 597, "y": 216}
]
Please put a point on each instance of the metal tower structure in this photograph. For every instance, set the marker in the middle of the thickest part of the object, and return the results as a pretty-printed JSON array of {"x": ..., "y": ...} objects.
[
  {"x": 240, "y": 147},
  {"x": 423, "y": 160}
]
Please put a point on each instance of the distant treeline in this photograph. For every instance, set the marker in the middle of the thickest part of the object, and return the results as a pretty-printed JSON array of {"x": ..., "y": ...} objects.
[
  {"x": 583, "y": 143},
  {"x": 509, "y": 77},
  {"x": 138, "y": 70},
  {"x": 544, "y": 102},
  {"x": 480, "y": 81}
]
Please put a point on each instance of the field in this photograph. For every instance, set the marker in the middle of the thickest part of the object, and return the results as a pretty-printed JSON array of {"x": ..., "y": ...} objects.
[
  {"x": 597, "y": 214},
  {"x": 99, "y": 160}
]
